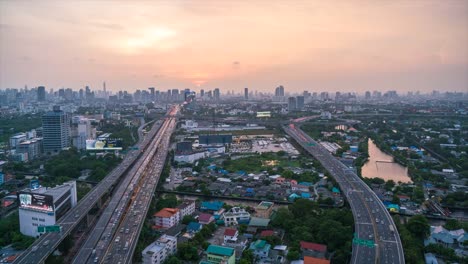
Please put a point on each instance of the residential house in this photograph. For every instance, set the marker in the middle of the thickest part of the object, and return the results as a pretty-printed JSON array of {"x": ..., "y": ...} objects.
[
  {"x": 447, "y": 238},
  {"x": 220, "y": 255},
  {"x": 313, "y": 249},
  {"x": 230, "y": 234},
  {"x": 205, "y": 219},
  {"x": 166, "y": 218},
  {"x": 260, "y": 249},
  {"x": 264, "y": 209},
  {"x": 194, "y": 227},
  {"x": 299, "y": 188},
  {"x": 158, "y": 251},
  {"x": 212, "y": 206},
  {"x": 187, "y": 207},
  {"x": 312, "y": 260},
  {"x": 235, "y": 216}
]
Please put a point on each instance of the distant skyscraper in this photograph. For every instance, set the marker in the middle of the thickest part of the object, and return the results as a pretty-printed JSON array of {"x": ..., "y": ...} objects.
[
  {"x": 292, "y": 104},
  {"x": 41, "y": 94},
  {"x": 216, "y": 94},
  {"x": 202, "y": 93},
  {"x": 55, "y": 130},
  {"x": 300, "y": 102},
  {"x": 279, "y": 91},
  {"x": 151, "y": 93},
  {"x": 368, "y": 95},
  {"x": 246, "y": 93}
]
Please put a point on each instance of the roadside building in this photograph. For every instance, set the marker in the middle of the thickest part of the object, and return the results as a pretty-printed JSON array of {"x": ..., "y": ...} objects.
[
  {"x": 158, "y": 251},
  {"x": 44, "y": 206},
  {"x": 166, "y": 218}
]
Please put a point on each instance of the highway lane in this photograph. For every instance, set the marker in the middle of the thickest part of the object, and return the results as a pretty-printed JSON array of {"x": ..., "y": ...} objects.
[
  {"x": 46, "y": 244},
  {"x": 372, "y": 220},
  {"x": 124, "y": 242},
  {"x": 102, "y": 234}
]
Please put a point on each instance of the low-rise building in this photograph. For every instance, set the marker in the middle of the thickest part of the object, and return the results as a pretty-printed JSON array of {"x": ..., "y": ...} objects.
[
  {"x": 166, "y": 218},
  {"x": 220, "y": 255},
  {"x": 313, "y": 249},
  {"x": 187, "y": 207},
  {"x": 264, "y": 209},
  {"x": 260, "y": 249},
  {"x": 205, "y": 219},
  {"x": 158, "y": 251},
  {"x": 230, "y": 234},
  {"x": 236, "y": 216}
]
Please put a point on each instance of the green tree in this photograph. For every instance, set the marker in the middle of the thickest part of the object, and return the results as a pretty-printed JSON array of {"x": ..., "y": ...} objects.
[
  {"x": 187, "y": 219},
  {"x": 188, "y": 252},
  {"x": 293, "y": 255},
  {"x": 173, "y": 260},
  {"x": 419, "y": 226}
]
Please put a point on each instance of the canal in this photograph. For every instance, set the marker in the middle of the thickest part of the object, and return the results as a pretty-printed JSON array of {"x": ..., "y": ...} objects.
[{"x": 382, "y": 165}]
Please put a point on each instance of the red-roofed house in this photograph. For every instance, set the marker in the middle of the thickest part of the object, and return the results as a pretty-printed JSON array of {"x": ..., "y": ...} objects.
[
  {"x": 280, "y": 180},
  {"x": 313, "y": 249},
  {"x": 230, "y": 235},
  {"x": 312, "y": 260},
  {"x": 205, "y": 219},
  {"x": 267, "y": 233},
  {"x": 166, "y": 218}
]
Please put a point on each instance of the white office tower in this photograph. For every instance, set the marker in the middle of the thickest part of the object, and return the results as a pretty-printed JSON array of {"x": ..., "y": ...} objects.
[{"x": 44, "y": 206}]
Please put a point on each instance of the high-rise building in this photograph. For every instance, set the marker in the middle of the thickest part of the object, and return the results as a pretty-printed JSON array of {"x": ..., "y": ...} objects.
[
  {"x": 292, "y": 104},
  {"x": 151, "y": 93},
  {"x": 279, "y": 91},
  {"x": 55, "y": 130},
  {"x": 246, "y": 93},
  {"x": 41, "y": 94},
  {"x": 202, "y": 93},
  {"x": 216, "y": 94},
  {"x": 368, "y": 95},
  {"x": 300, "y": 102}
]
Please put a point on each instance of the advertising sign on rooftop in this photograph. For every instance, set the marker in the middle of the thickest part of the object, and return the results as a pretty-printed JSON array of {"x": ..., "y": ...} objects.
[
  {"x": 264, "y": 114},
  {"x": 36, "y": 201},
  {"x": 104, "y": 144}
]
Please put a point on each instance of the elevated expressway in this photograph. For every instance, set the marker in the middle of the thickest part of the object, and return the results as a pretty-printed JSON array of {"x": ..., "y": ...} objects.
[
  {"x": 372, "y": 220},
  {"x": 110, "y": 186}
]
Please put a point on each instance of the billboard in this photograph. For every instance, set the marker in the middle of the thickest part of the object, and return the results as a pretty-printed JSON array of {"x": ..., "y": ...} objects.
[
  {"x": 34, "y": 184},
  {"x": 104, "y": 144},
  {"x": 36, "y": 201},
  {"x": 264, "y": 114}
]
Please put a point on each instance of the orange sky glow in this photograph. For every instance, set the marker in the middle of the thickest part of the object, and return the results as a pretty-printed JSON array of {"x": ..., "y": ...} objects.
[{"x": 303, "y": 45}]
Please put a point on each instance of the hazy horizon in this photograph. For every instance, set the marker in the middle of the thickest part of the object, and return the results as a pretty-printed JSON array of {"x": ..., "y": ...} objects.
[{"x": 315, "y": 46}]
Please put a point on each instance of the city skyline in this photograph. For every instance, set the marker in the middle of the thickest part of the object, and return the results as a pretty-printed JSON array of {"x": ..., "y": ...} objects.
[{"x": 358, "y": 46}]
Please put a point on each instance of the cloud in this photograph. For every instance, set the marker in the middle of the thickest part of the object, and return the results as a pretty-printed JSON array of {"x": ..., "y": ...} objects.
[
  {"x": 157, "y": 76},
  {"x": 236, "y": 64},
  {"x": 110, "y": 26}
]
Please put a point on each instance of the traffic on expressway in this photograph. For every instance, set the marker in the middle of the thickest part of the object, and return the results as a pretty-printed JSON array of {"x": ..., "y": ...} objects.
[
  {"x": 123, "y": 174},
  {"x": 373, "y": 222},
  {"x": 115, "y": 236}
]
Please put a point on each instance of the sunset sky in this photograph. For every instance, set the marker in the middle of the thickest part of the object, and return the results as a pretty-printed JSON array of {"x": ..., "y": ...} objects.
[{"x": 302, "y": 45}]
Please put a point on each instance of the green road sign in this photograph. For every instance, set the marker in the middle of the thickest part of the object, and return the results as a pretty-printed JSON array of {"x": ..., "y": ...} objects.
[
  {"x": 46, "y": 229},
  {"x": 311, "y": 144}
]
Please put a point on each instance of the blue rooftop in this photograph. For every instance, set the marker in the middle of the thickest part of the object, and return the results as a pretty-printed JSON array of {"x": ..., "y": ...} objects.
[
  {"x": 211, "y": 205},
  {"x": 305, "y": 195},
  {"x": 335, "y": 190},
  {"x": 194, "y": 227}
]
